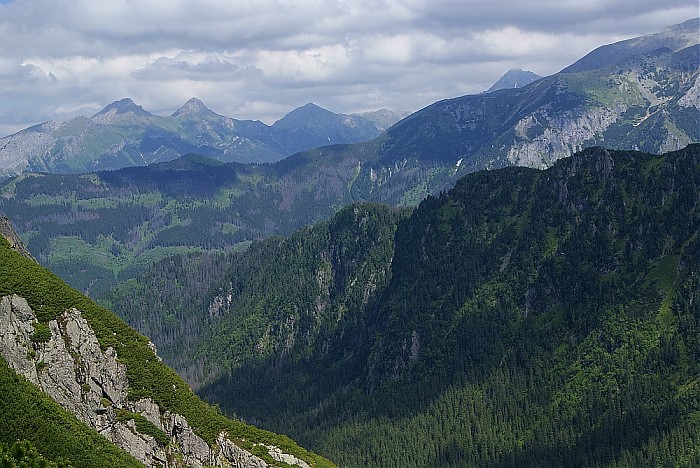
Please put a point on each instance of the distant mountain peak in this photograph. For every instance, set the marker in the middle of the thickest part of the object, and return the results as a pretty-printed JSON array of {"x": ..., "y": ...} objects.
[
  {"x": 385, "y": 118},
  {"x": 194, "y": 107},
  {"x": 310, "y": 107},
  {"x": 119, "y": 109},
  {"x": 514, "y": 78},
  {"x": 123, "y": 106},
  {"x": 301, "y": 115}
]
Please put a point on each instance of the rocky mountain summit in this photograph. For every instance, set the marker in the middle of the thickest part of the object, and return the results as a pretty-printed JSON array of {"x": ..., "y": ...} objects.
[
  {"x": 195, "y": 107},
  {"x": 122, "y": 111},
  {"x": 514, "y": 78}
]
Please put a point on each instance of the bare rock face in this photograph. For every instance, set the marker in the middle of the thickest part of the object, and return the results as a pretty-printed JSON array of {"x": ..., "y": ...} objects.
[
  {"x": 278, "y": 455},
  {"x": 235, "y": 455},
  {"x": 16, "y": 329},
  {"x": 142, "y": 447},
  {"x": 562, "y": 137},
  {"x": 68, "y": 364},
  {"x": 195, "y": 450},
  {"x": 692, "y": 97},
  {"x": 71, "y": 368},
  {"x": 7, "y": 230}
]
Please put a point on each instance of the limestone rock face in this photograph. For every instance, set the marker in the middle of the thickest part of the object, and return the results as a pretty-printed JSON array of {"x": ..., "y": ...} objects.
[
  {"x": 195, "y": 450},
  {"x": 235, "y": 455},
  {"x": 16, "y": 329},
  {"x": 7, "y": 230},
  {"x": 278, "y": 455},
  {"x": 91, "y": 383},
  {"x": 562, "y": 137}
]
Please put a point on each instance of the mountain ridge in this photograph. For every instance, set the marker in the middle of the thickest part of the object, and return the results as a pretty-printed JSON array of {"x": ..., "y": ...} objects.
[
  {"x": 101, "y": 371},
  {"x": 607, "y": 93},
  {"x": 649, "y": 103},
  {"x": 674, "y": 37},
  {"x": 519, "y": 292},
  {"x": 123, "y": 134}
]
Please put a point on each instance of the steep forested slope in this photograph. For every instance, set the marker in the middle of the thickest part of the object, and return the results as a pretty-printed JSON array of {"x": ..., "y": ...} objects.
[
  {"x": 105, "y": 374},
  {"x": 525, "y": 317},
  {"x": 288, "y": 296}
]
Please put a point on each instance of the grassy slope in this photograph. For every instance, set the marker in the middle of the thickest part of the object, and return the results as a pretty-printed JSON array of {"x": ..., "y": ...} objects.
[
  {"x": 27, "y": 413},
  {"x": 148, "y": 378}
]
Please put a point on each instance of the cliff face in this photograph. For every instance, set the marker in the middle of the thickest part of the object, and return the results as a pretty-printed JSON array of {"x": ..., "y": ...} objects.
[
  {"x": 7, "y": 230},
  {"x": 66, "y": 362}
]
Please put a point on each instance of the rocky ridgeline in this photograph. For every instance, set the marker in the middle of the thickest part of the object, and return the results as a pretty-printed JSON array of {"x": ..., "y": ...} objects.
[
  {"x": 561, "y": 137},
  {"x": 66, "y": 362},
  {"x": 7, "y": 230}
]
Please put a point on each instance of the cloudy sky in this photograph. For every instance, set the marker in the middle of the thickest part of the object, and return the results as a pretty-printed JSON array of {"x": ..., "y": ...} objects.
[{"x": 260, "y": 59}]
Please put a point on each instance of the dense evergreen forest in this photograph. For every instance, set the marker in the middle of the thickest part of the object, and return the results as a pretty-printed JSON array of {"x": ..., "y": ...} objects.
[
  {"x": 303, "y": 290},
  {"x": 523, "y": 318}
]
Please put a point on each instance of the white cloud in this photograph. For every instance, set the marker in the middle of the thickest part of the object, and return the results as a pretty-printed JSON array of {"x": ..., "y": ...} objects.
[{"x": 261, "y": 59}]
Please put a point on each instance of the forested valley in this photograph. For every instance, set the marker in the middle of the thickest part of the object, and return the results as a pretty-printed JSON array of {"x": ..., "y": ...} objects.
[{"x": 524, "y": 317}]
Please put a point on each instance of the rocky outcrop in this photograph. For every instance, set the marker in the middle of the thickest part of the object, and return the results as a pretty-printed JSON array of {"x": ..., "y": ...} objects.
[
  {"x": 236, "y": 456},
  {"x": 64, "y": 359},
  {"x": 280, "y": 456},
  {"x": 7, "y": 230},
  {"x": 692, "y": 97},
  {"x": 562, "y": 136}
]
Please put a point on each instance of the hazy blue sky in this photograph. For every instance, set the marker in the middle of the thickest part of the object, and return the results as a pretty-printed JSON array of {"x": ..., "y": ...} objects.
[{"x": 260, "y": 59}]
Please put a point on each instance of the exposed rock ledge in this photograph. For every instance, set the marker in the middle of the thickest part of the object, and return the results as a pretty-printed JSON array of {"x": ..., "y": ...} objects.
[
  {"x": 7, "y": 230},
  {"x": 72, "y": 369}
]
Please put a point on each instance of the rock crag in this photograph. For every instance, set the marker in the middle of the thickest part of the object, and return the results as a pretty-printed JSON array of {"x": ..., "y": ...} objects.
[{"x": 64, "y": 359}]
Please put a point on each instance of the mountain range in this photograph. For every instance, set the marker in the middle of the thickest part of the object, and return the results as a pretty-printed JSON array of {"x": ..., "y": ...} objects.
[
  {"x": 524, "y": 317},
  {"x": 97, "y": 228},
  {"x": 123, "y": 134},
  {"x": 603, "y": 98},
  {"x": 430, "y": 304}
]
